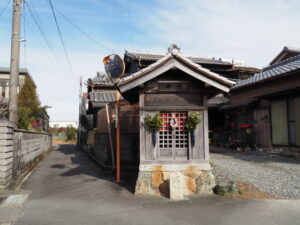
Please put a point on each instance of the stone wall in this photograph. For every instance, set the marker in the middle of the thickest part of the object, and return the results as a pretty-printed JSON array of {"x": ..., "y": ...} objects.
[
  {"x": 175, "y": 181},
  {"x": 19, "y": 151},
  {"x": 6, "y": 154}
]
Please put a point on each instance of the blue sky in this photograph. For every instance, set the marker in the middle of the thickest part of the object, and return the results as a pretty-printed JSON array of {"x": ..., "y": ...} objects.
[{"x": 252, "y": 31}]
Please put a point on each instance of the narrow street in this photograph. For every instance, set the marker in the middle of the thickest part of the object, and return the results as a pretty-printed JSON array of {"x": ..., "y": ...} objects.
[{"x": 68, "y": 188}]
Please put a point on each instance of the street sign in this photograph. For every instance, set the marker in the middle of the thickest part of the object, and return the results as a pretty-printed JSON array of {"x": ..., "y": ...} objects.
[{"x": 114, "y": 66}]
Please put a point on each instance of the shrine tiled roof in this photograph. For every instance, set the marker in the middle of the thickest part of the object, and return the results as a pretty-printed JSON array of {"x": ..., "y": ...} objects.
[
  {"x": 175, "y": 59},
  {"x": 154, "y": 56}
]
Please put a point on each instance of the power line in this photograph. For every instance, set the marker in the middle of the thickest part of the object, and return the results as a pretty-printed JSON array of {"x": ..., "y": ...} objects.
[
  {"x": 61, "y": 38},
  {"x": 46, "y": 40},
  {"x": 5, "y": 7},
  {"x": 41, "y": 44},
  {"x": 83, "y": 32}
]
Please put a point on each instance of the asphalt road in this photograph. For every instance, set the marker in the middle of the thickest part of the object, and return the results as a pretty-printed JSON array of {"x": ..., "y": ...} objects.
[{"x": 68, "y": 188}]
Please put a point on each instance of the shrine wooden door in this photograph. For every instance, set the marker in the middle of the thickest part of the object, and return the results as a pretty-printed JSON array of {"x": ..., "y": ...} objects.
[{"x": 173, "y": 136}]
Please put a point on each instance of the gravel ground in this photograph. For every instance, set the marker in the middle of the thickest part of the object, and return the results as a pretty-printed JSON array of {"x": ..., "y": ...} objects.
[{"x": 275, "y": 175}]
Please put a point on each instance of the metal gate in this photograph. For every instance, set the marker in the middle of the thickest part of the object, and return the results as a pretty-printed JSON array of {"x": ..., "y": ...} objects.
[{"x": 173, "y": 140}]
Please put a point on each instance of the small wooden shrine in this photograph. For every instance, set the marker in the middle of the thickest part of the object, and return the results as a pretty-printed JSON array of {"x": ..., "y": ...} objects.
[{"x": 174, "y": 150}]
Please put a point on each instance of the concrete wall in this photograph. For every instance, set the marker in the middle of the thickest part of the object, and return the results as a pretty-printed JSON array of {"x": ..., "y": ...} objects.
[{"x": 19, "y": 151}]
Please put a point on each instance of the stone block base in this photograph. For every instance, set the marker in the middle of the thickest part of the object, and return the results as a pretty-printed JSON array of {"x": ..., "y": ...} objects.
[{"x": 176, "y": 182}]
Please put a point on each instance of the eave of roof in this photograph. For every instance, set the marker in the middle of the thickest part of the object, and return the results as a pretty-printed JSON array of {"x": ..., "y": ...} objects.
[{"x": 243, "y": 104}]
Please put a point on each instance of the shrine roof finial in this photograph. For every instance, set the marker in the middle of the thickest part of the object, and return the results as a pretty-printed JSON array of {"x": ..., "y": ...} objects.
[{"x": 174, "y": 49}]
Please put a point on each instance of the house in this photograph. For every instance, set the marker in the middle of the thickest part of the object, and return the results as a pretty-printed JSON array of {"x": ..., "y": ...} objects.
[
  {"x": 42, "y": 121},
  {"x": 4, "y": 87},
  {"x": 266, "y": 107},
  {"x": 97, "y": 135},
  {"x": 4, "y": 80},
  {"x": 62, "y": 123}
]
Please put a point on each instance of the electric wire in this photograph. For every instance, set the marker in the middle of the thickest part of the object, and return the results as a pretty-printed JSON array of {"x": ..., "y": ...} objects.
[
  {"x": 36, "y": 37},
  {"x": 61, "y": 38},
  {"x": 83, "y": 32},
  {"x": 30, "y": 10},
  {"x": 5, "y": 7}
]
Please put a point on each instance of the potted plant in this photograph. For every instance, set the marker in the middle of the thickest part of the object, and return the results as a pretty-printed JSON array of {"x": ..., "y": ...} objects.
[
  {"x": 192, "y": 123},
  {"x": 154, "y": 123}
]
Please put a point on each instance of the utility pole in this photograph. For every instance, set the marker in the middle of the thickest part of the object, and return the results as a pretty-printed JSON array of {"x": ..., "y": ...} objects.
[
  {"x": 118, "y": 139},
  {"x": 14, "y": 64}
]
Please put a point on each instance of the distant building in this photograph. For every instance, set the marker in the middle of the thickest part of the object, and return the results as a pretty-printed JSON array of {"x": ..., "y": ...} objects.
[
  {"x": 59, "y": 124},
  {"x": 4, "y": 87},
  {"x": 4, "y": 80},
  {"x": 42, "y": 122}
]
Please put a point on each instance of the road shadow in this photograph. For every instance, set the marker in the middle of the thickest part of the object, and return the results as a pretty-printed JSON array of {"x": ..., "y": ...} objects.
[
  {"x": 254, "y": 156},
  {"x": 85, "y": 165}
]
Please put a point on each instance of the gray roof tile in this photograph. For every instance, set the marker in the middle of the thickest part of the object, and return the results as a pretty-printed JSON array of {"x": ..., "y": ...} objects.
[
  {"x": 101, "y": 79},
  {"x": 217, "y": 100},
  {"x": 103, "y": 96},
  {"x": 278, "y": 69}
]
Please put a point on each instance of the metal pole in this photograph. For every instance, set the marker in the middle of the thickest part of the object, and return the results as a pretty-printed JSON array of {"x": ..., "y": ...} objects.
[
  {"x": 110, "y": 138},
  {"x": 14, "y": 64},
  {"x": 118, "y": 139}
]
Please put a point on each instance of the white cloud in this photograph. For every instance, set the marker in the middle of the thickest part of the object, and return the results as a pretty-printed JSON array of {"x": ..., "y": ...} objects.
[
  {"x": 253, "y": 31},
  {"x": 248, "y": 30}
]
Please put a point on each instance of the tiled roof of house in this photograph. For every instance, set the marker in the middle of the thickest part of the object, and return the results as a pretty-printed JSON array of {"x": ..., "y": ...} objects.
[
  {"x": 275, "y": 70},
  {"x": 103, "y": 96},
  {"x": 154, "y": 56},
  {"x": 101, "y": 79},
  {"x": 217, "y": 100},
  {"x": 286, "y": 51}
]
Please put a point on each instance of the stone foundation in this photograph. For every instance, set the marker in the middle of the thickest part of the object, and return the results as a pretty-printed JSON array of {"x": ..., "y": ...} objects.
[{"x": 175, "y": 181}]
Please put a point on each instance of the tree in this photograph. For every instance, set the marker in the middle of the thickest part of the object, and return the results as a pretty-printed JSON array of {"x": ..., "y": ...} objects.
[
  {"x": 29, "y": 105},
  {"x": 70, "y": 133}
]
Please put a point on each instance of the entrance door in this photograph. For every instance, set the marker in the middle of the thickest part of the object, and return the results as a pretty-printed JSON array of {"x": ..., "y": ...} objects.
[
  {"x": 261, "y": 117},
  {"x": 173, "y": 136}
]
